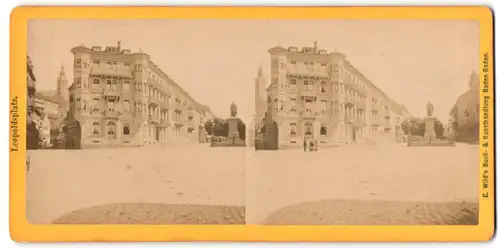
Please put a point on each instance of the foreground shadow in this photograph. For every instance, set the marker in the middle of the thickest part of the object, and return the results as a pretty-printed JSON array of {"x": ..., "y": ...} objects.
[
  {"x": 155, "y": 213},
  {"x": 353, "y": 212}
]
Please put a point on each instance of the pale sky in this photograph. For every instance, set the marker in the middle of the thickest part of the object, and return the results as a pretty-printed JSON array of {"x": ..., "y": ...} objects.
[{"x": 216, "y": 61}]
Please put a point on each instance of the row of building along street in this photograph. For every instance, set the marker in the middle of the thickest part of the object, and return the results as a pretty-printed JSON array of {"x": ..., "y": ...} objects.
[{"x": 116, "y": 98}]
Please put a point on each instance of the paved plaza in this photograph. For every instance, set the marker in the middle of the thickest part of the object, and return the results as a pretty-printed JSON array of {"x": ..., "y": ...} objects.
[
  {"x": 279, "y": 187},
  {"x": 362, "y": 174},
  {"x": 62, "y": 181}
]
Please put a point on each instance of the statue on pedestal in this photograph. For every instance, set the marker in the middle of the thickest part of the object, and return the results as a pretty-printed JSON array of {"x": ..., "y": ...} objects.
[
  {"x": 430, "y": 133},
  {"x": 234, "y": 110},
  {"x": 430, "y": 109}
]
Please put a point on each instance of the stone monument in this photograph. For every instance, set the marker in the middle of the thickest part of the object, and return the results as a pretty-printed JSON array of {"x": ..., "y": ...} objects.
[
  {"x": 430, "y": 121},
  {"x": 233, "y": 123},
  {"x": 233, "y": 136}
]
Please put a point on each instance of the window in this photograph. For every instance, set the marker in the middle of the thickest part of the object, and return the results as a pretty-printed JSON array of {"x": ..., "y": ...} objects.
[
  {"x": 111, "y": 129},
  {"x": 96, "y": 82},
  {"x": 274, "y": 64},
  {"x": 96, "y": 62},
  {"x": 115, "y": 83},
  {"x": 293, "y": 62},
  {"x": 95, "y": 104},
  {"x": 109, "y": 64},
  {"x": 323, "y": 106},
  {"x": 293, "y": 103},
  {"x": 323, "y": 87},
  {"x": 308, "y": 106},
  {"x": 308, "y": 128},
  {"x": 111, "y": 106},
  {"x": 126, "y": 106},
  {"x": 323, "y": 130},
  {"x": 78, "y": 103},
  {"x": 78, "y": 63},
  {"x": 293, "y": 83},
  {"x": 126, "y": 129},
  {"x": 281, "y": 105},
  {"x": 109, "y": 84},
  {"x": 293, "y": 129},
  {"x": 78, "y": 82},
  {"x": 96, "y": 128},
  {"x": 126, "y": 85},
  {"x": 308, "y": 85}
]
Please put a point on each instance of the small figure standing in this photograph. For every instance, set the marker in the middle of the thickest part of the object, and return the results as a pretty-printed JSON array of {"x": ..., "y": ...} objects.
[
  {"x": 316, "y": 145},
  {"x": 305, "y": 145}
]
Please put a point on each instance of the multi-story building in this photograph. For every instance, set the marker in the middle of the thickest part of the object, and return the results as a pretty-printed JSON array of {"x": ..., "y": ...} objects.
[
  {"x": 321, "y": 95},
  {"x": 32, "y": 134},
  {"x": 123, "y": 98},
  {"x": 465, "y": 112},
  {"x": 46, "y": 117}
]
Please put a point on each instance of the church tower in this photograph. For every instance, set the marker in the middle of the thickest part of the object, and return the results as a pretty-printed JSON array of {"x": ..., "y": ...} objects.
[
  {"x": 62, "y": 94},
  {"x": 62, "y": 85},
  {"x": 260, "y": 94}
]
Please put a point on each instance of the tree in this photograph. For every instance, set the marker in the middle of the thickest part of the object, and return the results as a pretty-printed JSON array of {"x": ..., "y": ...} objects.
[
  {"x": 223, "y": 129},
  {"x": 208, "y": 125},
  {"x": 415, "y": 126},
  {"x": 241, "y": 129},
  {"x": 217, "y": 127},
  {"x": 439, "y": 128}
]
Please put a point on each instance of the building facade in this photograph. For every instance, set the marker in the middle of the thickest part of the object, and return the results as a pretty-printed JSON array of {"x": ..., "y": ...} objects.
[
  {"x": 465, "y": 112},
  {"x": 122, "y": 98},
  {"x": 51, "y": 109},
  {"x": 320, "y": 95},
  {"x": 32, "y": 133},
  {"x": 46, "y": 117}
]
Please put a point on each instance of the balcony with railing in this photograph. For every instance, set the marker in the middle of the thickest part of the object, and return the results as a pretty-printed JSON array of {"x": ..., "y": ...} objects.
[
  {"x": 307, "y": 94},
  {"x": 111, "y": 93},
  {"x": 377, "y": 121},
  {"x": 309, "y": 70},
  {"x": 178, "y": 106},
  {"x": 153, "y": 101},
  {"x": 163, "y": 122},
  {"x": 349, "y": 101},
  {"x": 351, "y": 119},
  {"x": 105, "y": 70},
  {"x": 308, "y": 114},
  {"x": 154, "y": 119},
  {"x": 360, "y": 105},
  {"x": 111, "y": 113},
  {"x": 164, "y": 105}
]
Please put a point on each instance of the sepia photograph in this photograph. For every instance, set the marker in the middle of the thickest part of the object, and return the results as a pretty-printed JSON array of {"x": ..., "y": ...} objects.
[
  {"x": 135, "y": 122},
  {"x": 366, "y": 122},
  {"x": 253, "y": 121}
]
